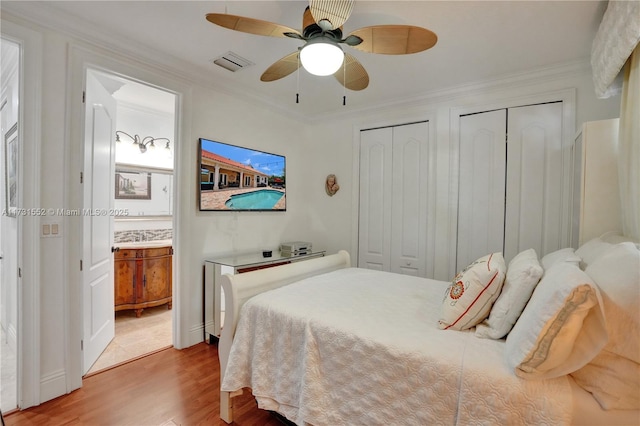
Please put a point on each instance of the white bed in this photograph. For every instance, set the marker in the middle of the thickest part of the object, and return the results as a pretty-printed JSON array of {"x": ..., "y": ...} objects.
[{"x": 325, "y": 344}]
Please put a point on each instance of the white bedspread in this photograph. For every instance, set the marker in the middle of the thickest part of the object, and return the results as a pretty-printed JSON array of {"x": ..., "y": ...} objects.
[{"x": 362, "y": 347}]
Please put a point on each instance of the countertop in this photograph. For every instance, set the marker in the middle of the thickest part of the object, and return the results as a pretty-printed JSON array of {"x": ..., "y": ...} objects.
[{"x": 144, "y": 244}]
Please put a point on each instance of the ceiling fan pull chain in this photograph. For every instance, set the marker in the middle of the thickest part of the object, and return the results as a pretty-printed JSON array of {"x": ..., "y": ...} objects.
[
  {"x": 344, "y": 84},
  {"x": 298, "y": 81}
]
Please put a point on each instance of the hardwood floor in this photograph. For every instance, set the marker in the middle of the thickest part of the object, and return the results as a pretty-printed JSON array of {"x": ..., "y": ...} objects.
[{"x": 171, "y": 387}]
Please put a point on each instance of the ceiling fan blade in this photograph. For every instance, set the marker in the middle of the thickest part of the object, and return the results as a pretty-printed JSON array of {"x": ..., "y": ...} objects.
[
  {"x": 250, "y": 25},
  {"x": 354, "y": 76},
  {"x": 281, "y": 68},
  {"x": 395, "y": 39},
  {"x": 334, "y": 11}
]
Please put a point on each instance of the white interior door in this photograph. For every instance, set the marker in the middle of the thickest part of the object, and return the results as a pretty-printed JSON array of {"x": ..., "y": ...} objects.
[
  {"x": 409, "y": 199},
  {"x": 374, "y": 235},
  {"x": 533, "y": 214},
  {"x": 98, "y": 187},
  {"x": 481, "y": 191}
]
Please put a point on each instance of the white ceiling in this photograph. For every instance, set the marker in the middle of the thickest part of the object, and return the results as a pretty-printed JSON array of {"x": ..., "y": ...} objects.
[{"x": 477, "y": 41}]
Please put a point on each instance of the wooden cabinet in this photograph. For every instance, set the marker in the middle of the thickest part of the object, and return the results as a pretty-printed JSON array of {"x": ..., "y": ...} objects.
[{"x": 142, "y": 278}]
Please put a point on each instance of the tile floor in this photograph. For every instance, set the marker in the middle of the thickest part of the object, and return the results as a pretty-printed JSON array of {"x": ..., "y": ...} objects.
[{"x": 136, "y": 336}]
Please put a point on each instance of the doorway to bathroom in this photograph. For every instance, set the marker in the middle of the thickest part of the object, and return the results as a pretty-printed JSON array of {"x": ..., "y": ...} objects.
[{"x": 139, "y": 124}]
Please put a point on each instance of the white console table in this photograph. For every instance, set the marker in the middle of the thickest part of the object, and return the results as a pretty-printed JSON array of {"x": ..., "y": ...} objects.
[{"x": 213, "y": 310}]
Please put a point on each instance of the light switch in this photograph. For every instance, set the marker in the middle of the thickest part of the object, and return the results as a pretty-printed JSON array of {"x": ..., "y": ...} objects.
[
  {"x": 46, "y": 229},
  {"x": 54, "y": 229}
]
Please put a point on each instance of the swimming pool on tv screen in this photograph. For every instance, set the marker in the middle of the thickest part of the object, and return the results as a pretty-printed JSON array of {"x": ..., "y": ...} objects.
[{"x": 264, "y": 199}]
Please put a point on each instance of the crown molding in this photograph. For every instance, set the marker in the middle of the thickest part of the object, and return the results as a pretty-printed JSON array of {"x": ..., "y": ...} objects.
[
  {"x": 49, "y": 18},
  {"x": 499, "y": 86}
]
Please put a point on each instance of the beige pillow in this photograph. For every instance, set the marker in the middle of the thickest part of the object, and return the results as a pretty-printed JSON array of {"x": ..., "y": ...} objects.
[
  {"x": 523, "y": 273},
  {"x": 613, "y": 377},
  {"x": 468, "y": 299},
  {"x": 562, "y": 327}
]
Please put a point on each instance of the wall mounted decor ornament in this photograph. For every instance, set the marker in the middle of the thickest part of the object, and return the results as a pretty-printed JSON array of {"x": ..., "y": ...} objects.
[{"x": 331, "y": 185}]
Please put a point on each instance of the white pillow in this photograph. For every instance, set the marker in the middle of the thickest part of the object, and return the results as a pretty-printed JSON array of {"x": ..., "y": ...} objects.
[
  {"x": 562, "y": 327},
  {"x": 468, "y": 299},
  {"x": 591, "y": 250},
  {"x": 614, "y": 237},
  {"x": 562, "y": 255},
  {"x": 615, "y": 372},
  {"x": 523, "y": 273}
]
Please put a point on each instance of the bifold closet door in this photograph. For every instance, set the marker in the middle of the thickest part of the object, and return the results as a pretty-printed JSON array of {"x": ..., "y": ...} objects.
[
  {"x": 393, "y": 199},
  {"x": 481, "y": 188},
  {"x": 409, "y": 199},
  {"x": 511, "y": 187},
  {"x": 533, "y": 214},
  {"x": 374, "y": 231}
]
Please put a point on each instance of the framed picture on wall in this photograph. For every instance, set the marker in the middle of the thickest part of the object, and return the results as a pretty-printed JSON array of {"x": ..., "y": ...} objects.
[
  {"x": 133, "y": 185},
  {"x": 11, "y": 170}
]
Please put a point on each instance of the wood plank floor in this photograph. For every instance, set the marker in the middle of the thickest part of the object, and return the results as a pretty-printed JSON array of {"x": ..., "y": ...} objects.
[{"x": 170, "y": 387}]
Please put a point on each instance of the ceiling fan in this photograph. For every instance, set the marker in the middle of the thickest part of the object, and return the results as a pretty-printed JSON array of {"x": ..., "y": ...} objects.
[{"x": 322, "y": 33}]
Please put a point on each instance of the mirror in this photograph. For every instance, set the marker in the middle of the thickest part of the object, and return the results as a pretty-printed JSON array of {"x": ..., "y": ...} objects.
[{"x": 143, "y": 191}]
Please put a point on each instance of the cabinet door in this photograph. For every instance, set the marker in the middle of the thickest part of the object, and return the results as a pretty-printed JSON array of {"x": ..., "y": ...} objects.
[
  {"x": 374, "y": 235},
  {"x": 125, "y": 270},
  {"x": 156, "y": 280},
  {"x": 481, "y": 190}
]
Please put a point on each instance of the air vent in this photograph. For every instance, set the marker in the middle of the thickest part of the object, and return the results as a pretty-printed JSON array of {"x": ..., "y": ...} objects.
[{"x": 232, "y": 62}]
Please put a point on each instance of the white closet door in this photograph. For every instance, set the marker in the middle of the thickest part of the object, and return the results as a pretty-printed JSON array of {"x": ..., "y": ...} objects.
[
  {"x": 376, "y": 155},
  {"x": 409, "y": 199},
  {"x": 533, "y": 215},
  {"x": 481, "y": 190}
]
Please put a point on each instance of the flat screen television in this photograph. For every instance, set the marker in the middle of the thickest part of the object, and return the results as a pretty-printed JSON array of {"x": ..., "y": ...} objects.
[{"x": 233, "y": 178}]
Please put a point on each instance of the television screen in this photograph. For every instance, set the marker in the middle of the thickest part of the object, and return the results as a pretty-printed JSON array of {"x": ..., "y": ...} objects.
[{"x": 236, "y": 178}]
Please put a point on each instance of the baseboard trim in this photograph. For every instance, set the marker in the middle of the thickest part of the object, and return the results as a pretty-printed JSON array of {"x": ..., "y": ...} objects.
[{"x": 53, "y": 385}]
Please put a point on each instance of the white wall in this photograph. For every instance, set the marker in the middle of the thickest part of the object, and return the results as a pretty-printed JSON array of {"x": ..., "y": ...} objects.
[
  {"x": 334, "y": 143},
  {"x": 205, "y": 113},
  {"x": 312, "y": 150},
  {"x": 137, "y": 120}
]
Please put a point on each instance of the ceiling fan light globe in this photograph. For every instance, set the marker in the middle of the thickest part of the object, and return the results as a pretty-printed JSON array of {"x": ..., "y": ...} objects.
[{"x": 321, "y": 57}]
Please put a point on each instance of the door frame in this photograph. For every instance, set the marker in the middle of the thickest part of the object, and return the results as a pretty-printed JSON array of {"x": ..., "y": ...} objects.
[
  {"x": 568, "y": 99},
  {"x": 81, "y": 59},
  {"x": 29, "y": 130}
]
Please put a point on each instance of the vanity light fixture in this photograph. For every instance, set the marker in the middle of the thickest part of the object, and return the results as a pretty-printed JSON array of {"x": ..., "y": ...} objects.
[{"x": 147, "y": 141}]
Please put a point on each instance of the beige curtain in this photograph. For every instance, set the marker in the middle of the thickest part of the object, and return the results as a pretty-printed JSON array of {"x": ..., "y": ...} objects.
[{"x": 629, "y": 147}]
